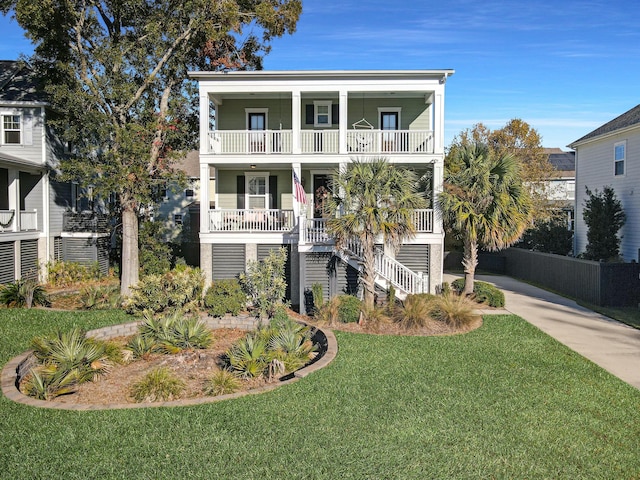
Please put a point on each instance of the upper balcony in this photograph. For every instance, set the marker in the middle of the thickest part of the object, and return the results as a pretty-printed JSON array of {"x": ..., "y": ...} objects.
[
  {"x": 321, "y": 113},
  {"x": 279, "y": 142}
]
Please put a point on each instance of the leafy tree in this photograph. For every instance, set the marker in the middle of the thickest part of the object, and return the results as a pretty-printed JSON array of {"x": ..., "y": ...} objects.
[
  {"x": 549, "y": 236},
  {"x": 265, "y": 283},
  {"x": 604, "y": 217},
  {"x": 522, "y": 142},
  {"x": 116, "y": 74},
  {"x": 373, "y": 198},
  {"x": 483, "y": 202}
]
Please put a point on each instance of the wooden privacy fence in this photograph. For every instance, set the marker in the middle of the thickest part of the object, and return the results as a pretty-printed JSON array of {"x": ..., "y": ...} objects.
[{"x": 603, "y": 284}]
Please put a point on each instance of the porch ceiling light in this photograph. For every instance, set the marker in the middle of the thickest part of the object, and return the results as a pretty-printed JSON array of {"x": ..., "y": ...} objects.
[{"x": 252, "y": 166}]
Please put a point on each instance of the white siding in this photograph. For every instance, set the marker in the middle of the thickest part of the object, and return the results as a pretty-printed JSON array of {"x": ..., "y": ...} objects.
[{"x": 595, "y": 170}]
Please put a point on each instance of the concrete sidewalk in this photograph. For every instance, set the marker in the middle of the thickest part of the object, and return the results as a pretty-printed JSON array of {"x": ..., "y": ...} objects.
[{"x": 606, "y": 342}]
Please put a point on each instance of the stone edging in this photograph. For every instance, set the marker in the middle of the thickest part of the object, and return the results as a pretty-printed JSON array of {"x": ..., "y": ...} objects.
[{"x": 327, "y": 340}]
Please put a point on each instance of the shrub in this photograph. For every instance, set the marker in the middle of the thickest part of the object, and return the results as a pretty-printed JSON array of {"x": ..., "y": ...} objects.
[
  {"x": 100, "y": 297},
  {"x": 248, "y": 356},
  {"x": 484, "y": 292},
  {"x": 456, "y": 311},
  {"x": 222, "y": 382},
  {"x": 264, "y": 282},
  {"x": 155, "y": 253},
  {"x": 64, "y": 274},
  {"x": 225, "y": 296},
  {"x": 373, "y": 318},
  {"x": 318, "y": 297},
  {"x": 170, "y": 334},
  {"x": 349, "y": 308},
  {"x": 414, "y": 312},
  {"x": 160, "y": 384},
  {"x": 328, "y": 313},
  {"x": 64, "y": 361},
  {"x": 177, "y": 289},
  {"x": 24, "y": 293}
]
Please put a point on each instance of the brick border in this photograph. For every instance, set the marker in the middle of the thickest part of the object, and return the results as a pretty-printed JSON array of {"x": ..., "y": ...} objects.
[{"x": 324, "y": 337}]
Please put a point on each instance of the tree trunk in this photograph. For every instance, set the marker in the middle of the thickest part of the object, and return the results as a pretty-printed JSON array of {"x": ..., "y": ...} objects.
[
  {"x": 469, "y": 262},
  {"x": 130, "y": 262},
  {"x": 369, "y": 274}
]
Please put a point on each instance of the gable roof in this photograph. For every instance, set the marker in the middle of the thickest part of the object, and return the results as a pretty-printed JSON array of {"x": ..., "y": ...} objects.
[
  {"x": 18, "y": 83},
  {"x": 627, "y": 119},
  {"x": 563, "y": 161}
]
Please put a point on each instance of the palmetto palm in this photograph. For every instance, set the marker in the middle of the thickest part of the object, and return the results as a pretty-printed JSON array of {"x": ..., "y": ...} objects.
[
  {"x": 484, "y": 202},
  {"x": 372, "y": 197}
]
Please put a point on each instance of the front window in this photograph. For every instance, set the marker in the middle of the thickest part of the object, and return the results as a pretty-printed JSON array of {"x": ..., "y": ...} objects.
[
  {"x": 322, "y": 114},
  {"x": 257, "y": 191},
  {"x": 11, "y": 129},
  {"x": 619, "y": 156}
]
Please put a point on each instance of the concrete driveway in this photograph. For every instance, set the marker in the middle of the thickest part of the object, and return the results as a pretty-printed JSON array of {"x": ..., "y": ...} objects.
[{"x": 606, "y": 342}]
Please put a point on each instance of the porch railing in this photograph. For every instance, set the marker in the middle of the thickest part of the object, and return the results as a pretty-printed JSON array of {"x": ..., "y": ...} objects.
[
  {"x": 6, "y": 220},
  {"x": 270, "y": 142},
  {"x": 251, "y": 220},
  {"x": 28, "y": 220},
  {"x": 264, "y": 142},
  {"x": 320, "y": 141}
]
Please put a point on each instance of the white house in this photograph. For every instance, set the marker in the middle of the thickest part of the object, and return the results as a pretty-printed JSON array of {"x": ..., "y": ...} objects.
[
  {"x": 262, "y": 133},
  {"x": 610, "y": 156},
  {"x": 39, "y": 217},
  {"x": 561, "y": 187}
]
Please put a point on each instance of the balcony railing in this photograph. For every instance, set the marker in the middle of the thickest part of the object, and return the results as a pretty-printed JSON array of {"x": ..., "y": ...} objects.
[
  {"x": 265, "y": 142},
  {"x": 28, "y": 220},
  {"x": 85, "y": 222},
  {"x": 251, "y": 220},
  {"x": 367, "y": 142}
]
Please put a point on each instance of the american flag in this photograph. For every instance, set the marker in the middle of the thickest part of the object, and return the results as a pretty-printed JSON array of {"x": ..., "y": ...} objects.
[{"x": 298, "y": 190}]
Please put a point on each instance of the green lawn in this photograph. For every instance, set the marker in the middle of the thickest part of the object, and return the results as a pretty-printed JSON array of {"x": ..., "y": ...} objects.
[{"x": 505, "y": 401}]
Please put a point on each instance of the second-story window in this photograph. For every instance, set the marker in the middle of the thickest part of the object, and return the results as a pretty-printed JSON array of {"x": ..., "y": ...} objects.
[
  {"x": 619, "y": 156},
  {"x": 322, "y": 113},
  {"x": 11, "y": 131}
]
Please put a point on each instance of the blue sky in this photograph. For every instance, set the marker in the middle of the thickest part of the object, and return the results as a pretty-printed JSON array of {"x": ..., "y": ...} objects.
[{"x": 564, "y": 66}]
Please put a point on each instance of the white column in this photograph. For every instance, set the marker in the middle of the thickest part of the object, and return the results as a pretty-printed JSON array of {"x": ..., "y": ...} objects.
[
  {"x": 342, "y": 127},
  {"x": 438, "y": 178},
  {"x": 14, "y": 197},
  {"x": 204, "y": 121},
  {"x": 296, "y": 122},
  {"x": 438, "y": 130},
  {"x": 204, "y": 198}
]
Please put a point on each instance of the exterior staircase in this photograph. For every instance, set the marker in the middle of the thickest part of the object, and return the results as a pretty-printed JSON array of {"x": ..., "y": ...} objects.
[{"x": 389, "y": 272}]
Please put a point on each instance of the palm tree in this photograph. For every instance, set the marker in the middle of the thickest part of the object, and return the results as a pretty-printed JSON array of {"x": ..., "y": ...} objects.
[
  {"x": 372, "y": 197},
  {"x": 484, "y": 202}
]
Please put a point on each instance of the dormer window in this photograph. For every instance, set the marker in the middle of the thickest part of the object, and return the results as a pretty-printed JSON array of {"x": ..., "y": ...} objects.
[{"x": 11, "y": 130}]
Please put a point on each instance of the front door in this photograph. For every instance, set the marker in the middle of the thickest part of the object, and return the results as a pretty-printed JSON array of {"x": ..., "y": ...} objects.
[
  {"x": 389, "y": 124},
  {"x": 256, "y": 122},
  {"x": 321, "y": 185}
]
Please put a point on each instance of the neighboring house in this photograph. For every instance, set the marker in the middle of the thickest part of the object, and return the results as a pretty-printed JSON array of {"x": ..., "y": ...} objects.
[
  {"x": 562, "y": 187},
  {"x": 176, "y": 204},
  {"x": 262, "y": 133},
  {"x": 610, "y": 155},
  {"x": 36, "y": 212}
]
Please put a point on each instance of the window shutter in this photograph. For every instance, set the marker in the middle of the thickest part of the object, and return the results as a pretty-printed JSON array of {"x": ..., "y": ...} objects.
[
  {"x": 309, "y": 115},
  {"x": 335, "y": 115},
  {"x": 240, "y": 191},
  {"x": 273, "y": 191},
  {"x": 27, "y": 130}
]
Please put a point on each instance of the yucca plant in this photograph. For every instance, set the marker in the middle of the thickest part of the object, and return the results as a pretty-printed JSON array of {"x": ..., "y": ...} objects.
[
  {"x": 457, "y": 311},
  {"x": 222, "y": 382},
  {"x": 24, "y": 293},
  {"x": 141, "y": 347},
  {"x": 292, "y": 346},
  {"x": 174, "y": 333},
  {"x": 46, "y": 382},
  {"x": 248, "y": 356},
  {"x": 160, "y": 384}
]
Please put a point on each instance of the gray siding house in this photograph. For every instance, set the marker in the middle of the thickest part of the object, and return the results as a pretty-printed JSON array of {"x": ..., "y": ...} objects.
[
  {"x": 34, "y": 207},
  {"x": 610, "y": 156}
]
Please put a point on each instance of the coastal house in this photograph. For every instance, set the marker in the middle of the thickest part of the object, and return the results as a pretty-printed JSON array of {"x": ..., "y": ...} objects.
[
  {"x": 270, "y": 142},
  {"x": 610, "y": 156},
  {"x": 561, "y": 187}
]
